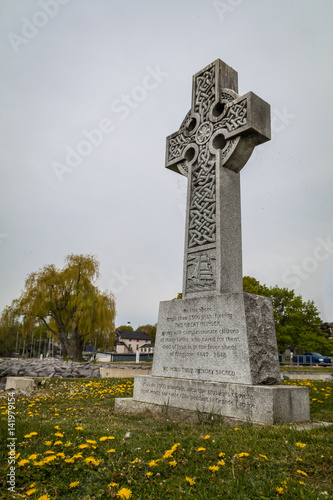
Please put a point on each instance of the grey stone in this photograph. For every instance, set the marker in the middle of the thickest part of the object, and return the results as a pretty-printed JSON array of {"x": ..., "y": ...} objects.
[
  {"x": 253, "y": 403},
  {"x": 216, "y": 348},
  {"x": 20, "y": 384}
]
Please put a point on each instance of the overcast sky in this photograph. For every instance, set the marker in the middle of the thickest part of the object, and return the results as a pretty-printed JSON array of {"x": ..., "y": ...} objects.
[{"x": 73, "y": 67}]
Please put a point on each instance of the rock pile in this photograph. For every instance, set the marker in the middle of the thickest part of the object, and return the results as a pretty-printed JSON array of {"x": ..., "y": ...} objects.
[
  {"x": 51, "y": 367},
  {"x": 48, "y": 367}
]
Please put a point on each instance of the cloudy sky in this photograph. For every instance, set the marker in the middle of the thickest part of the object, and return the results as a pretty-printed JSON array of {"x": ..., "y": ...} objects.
[{"x": 91, "y": 88}]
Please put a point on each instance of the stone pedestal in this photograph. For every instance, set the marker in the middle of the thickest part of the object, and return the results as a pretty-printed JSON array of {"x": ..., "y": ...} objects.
[{"x": 218, "y": 354}]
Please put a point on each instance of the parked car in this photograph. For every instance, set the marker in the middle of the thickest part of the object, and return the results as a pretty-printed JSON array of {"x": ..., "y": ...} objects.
[{"x": 317, "y": 359}]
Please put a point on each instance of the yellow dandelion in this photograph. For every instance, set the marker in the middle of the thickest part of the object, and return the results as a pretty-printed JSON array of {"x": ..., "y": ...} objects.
[
  {"x": 201, "y": 448},
  {"x": 44, "y": 497},
  {"x": 31, "y": 491},
  {"x": 74, "y": 484},
  {"x": 213, "y": 468},
  {"x": 21, "y": 463},
  {"x": 124, "y": 494},
  {"x": 79, "y": 428},
  {"x": 111, "y": 451},
  {"x": 48, "y": 452},
  {"x": 33, "y": 457},
  {"x": 168, "y": 454},
  {"x": 56, "y": 443},
  {"x": 190, "y": 480},
  {"x": 236, "y": 429},
  {"x": 57, "y": 427},
  {"x": 221, "y": 462},
  {"x": 241, "y": 455},
  {"x": 221, "y": 454},
  {"x": 173, "y": 463},
  {"x": 104, "y": 438},
  {"x": 33, "y": 433},
  {"x": 263, "y": 456},
  {"x": 153, "y": 463},
  {"x": 299, "y": 459},
  {"x": 58, "y": 434},
  {"x": 82, "y": 446},
  {"x": 207, "y": 436},
  {"x": 302, "y": 472},
  {"x": 91, "y": 441},
  {"x": 149, "y": 474},
  {"x": 112, "y": 485},
  {"x": 69, "y": 460},
  {"x": 302, "y": 482},
  {"x": 48, "y": 443},
  {"x": 279, "y": 490},
  {"x": 301, "y": 445}
]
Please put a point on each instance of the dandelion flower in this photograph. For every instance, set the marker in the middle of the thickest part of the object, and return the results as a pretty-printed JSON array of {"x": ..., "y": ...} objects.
[
  {"x": 33, "y": 457},
  {"x": 279, "y": 490},
  {"x": 213, "y": 468},
  {"x": 299, "y": 459},
  {"x": 79, "y": 428},
  {"x": 124, "y": 494},
  {"x": 263, "y": 456},
  {"x": 31, "y": 491},
  {"x": 301, "y": 445},
  {"x": 74, "y": 484},
  {"x": 221, "y": 462},
  {"x": 48, "y": 443},
  {"x": 173, "y": 463},
  {"x": 82, "y": 446},
  {"x": 241, "y": 455},
  {"x": 236, "y": 429},
  {"x": 91, "y": 441},
  {"x": 111, "y": 451},
  {"x": 201, "y": 448},
  {"x": 69, "y": 460},
  {"x": 207, "y": 437},
  {"x": 112, "y": 485},
  {"x": 44, "y": 497},
  {"x": 221, "y": 454},
  {"x": 33, "y": 433},
  {"x": 22, "y": 462},
  {"x": 58, "y": 434},
  {"x": 57, "y": 427},
  {"x": 149, "y": 474},
  {"x": 190, "y": 480},
  {"x": 302, "y": 472},
  {"x": 168, "y": 454},
  {"x": 153, "y": 463}
]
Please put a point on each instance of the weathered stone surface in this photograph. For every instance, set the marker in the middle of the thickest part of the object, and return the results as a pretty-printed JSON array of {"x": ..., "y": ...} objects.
[
  {"x": 253, "y": 403},
  {"x": 215, "y": 339}
]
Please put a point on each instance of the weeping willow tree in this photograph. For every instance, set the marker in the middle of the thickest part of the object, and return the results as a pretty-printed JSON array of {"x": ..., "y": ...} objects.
[{"x": 69, "y": 304}]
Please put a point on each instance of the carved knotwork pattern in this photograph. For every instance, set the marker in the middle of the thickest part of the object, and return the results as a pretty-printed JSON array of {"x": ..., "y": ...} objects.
[
  {"x": 177, "y": 145},
  {"x": 235, "y": 117},
  {"x": 202, "y": 215},
  {"x": 204, "y": 92}
]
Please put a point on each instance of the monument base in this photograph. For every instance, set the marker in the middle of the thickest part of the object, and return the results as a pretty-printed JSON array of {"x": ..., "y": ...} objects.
[{"x": 248, "y": 403}]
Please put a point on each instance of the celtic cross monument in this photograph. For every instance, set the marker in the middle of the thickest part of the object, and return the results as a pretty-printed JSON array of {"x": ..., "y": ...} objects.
[
  {"x": 212, "y": 145},
  {"x": 216, "y": 348}
]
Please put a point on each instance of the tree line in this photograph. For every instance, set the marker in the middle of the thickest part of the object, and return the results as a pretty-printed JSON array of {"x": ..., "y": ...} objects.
[{"x": 65, "y": 306}]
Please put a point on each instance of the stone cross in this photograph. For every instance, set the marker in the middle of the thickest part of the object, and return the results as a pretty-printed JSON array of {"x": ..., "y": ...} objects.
[{"x": 213, "y": 144}]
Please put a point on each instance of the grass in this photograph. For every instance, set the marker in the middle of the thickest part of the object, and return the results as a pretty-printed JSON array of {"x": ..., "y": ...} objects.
[{"x": 70, "y": 445}]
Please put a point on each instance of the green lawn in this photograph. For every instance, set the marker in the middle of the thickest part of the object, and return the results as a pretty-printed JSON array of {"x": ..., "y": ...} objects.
[{"x": 70, "y": 445}]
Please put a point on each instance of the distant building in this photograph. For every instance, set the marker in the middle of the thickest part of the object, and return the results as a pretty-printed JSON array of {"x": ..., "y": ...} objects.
[{"x": 130, "y": 342}]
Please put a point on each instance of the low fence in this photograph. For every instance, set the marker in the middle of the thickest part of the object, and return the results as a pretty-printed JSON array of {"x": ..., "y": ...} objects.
[{"x": 295, "y": 364}]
